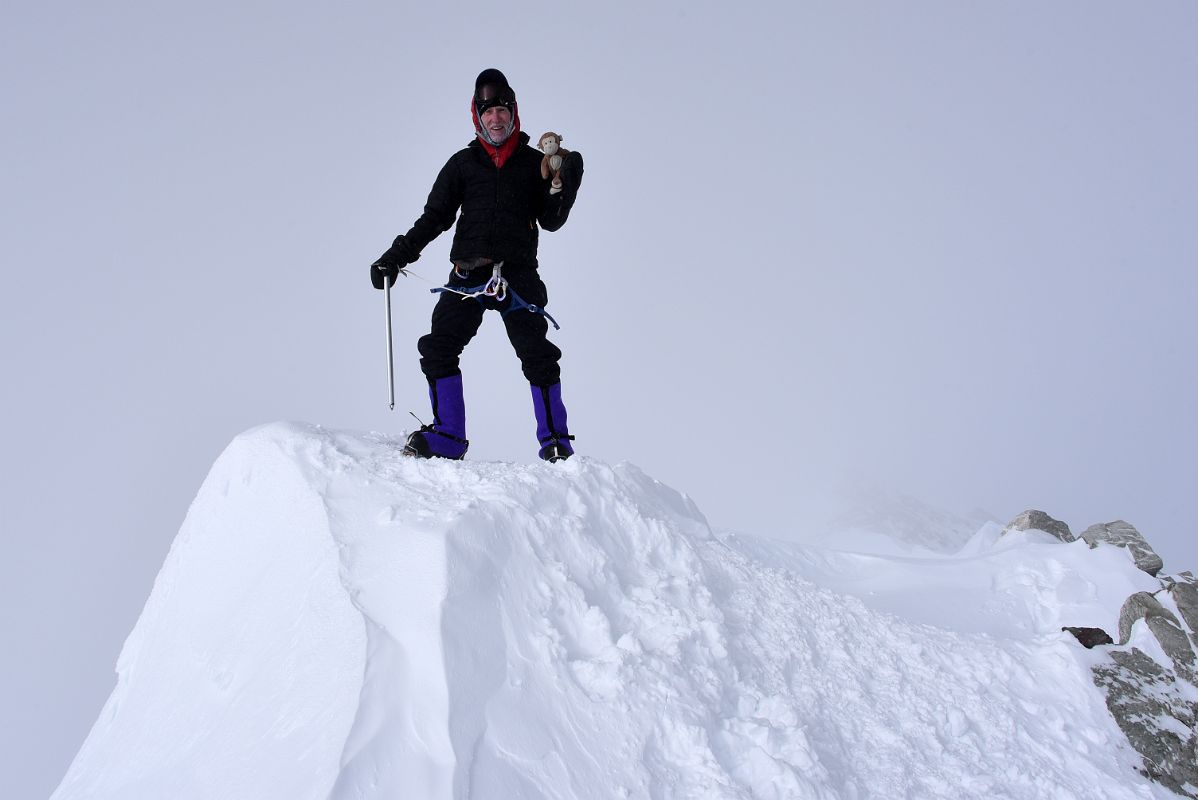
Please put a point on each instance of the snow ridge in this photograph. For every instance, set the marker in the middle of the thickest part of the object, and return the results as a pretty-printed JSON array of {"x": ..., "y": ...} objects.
[{"x": 337, "y": 622}]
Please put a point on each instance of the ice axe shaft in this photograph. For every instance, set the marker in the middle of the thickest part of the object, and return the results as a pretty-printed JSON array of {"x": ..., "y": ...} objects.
[{"x": 390, "y": 348}]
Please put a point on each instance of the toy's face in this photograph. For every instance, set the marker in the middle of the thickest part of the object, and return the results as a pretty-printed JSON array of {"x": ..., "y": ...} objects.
[{"x": 549, "y": 145}]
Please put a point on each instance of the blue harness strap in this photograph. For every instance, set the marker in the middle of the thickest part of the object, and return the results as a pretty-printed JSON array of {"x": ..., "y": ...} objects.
[{"x": 517, "y": 302}]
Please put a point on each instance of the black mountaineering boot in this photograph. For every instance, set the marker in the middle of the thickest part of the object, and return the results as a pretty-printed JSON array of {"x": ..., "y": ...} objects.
[
  {"x": 446, "y": 437},
  {"x": 552, "y": 433}
]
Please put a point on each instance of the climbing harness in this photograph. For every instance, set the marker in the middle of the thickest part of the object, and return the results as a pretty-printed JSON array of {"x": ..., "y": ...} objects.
[
  {"x": 498, "y": 290},
  {"x": 496, "y": 285}
]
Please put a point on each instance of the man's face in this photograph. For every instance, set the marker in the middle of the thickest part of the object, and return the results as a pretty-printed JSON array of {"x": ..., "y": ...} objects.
[{"x": 497, "y": 122}]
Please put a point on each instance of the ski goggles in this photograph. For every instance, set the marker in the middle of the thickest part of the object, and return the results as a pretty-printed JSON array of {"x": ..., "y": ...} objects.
[{"x": 492, "y": 95}]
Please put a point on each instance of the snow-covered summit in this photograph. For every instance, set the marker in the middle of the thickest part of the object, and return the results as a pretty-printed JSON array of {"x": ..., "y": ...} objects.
[{"x": 335, "y": 621}]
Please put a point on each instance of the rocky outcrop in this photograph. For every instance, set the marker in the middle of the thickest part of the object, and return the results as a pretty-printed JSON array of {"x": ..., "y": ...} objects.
[
  {"x": 1122, "y": 534},
  {"x": 1151, "y": 699},
  {"x": 1184, "y": 591},
  {"x": 1164, "y": 626},
  {"x": 1032, "y": 520}
]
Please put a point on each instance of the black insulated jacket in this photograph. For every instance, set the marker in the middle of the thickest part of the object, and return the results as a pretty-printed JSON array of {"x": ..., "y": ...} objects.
[{"x": 501, "y": 207}]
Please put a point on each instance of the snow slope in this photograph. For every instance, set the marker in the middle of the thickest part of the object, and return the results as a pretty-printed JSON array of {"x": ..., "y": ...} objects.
[{"x": 335, "y": 621}]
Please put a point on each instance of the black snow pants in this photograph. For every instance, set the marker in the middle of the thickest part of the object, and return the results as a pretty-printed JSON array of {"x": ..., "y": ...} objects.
[{"x": 456, "y": 319}]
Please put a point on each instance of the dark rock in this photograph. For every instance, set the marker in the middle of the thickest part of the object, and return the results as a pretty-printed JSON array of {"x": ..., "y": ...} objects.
[
  {"x": 1039, "y": 521},
  {"x": 1090, "y": 637},
  {"x": 1123, "y": 534}
]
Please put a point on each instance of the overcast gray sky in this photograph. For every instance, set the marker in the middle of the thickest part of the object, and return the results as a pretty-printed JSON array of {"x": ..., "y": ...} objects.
[{"x": 948, "y": 248}]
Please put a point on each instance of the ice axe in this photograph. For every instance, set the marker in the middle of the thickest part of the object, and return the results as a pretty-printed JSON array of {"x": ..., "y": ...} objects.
[{"x": 390, "y": 348}]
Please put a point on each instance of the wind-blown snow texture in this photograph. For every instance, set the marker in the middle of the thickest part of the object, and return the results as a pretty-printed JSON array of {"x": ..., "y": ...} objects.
[{"x": 335, "y": 621}]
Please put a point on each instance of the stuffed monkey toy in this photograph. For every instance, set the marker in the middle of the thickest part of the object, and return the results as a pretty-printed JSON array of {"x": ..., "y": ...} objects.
[{"x": 550, "y": 144}]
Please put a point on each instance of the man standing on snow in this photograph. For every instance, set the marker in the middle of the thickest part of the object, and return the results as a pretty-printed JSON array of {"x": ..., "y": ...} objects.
[{"x": 496, "y": 182}]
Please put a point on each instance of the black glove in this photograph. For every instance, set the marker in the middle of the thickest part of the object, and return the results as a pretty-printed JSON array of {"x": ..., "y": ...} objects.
[
  {"x": 380, "y": 272},
  {"x": 391, "y": 263},
  {"x": 571, "y": 173}
]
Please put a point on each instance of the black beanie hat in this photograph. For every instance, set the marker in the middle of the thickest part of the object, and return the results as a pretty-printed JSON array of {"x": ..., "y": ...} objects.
[{"x": 491, "y": 89}]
